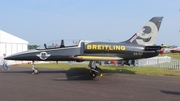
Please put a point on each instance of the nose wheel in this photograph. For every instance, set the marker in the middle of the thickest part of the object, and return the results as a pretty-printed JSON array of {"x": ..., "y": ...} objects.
[{"x": 35, "y": 70}]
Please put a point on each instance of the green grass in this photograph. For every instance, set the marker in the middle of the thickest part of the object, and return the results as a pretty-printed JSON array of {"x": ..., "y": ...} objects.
[
  {"x": 114, "y": 69},
  {"x": 172, "y": 55}
]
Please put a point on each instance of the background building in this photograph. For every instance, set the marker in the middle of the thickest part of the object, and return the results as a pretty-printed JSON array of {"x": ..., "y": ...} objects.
[{"x": 10, "y": 44}]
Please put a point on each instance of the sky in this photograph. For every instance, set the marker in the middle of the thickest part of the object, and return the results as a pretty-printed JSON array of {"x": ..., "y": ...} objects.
[{"x": 42, "y": 21}]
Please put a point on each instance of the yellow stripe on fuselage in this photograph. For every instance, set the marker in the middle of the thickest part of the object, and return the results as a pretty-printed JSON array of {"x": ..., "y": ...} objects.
[{"x": 97, "y": 58}]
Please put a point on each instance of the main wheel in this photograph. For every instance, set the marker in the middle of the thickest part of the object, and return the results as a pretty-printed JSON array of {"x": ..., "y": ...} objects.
[{"x": 99, "y": 73}]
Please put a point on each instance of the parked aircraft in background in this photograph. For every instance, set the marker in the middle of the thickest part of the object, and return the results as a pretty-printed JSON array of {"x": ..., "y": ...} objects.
[
  {"x": 140, "y": 45},
  {"x": 170, "y": 50},
  {"x": 165, "y": 50},
  {"x": 175, "y": 50}
]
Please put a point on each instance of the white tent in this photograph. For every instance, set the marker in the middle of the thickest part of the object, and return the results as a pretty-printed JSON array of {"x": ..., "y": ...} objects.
[{"x": 11, "y": 44}]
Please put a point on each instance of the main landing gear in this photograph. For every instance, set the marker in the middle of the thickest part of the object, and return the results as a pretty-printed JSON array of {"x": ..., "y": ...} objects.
[
  {"x": 94, "y": 70},
  {"x": 35, "y": 70}
]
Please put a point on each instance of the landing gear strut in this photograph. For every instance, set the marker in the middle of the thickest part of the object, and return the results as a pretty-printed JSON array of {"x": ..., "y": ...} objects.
[
  {"x": 35, "y": 70},
  {"x": 94, "y": 70}
]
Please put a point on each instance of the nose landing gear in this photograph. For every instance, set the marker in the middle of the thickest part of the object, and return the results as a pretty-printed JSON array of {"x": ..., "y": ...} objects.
[{"x": 35, "y": 70}]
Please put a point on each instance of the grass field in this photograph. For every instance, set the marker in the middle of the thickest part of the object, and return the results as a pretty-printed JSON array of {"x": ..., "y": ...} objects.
[
  {"x": 114, "y": 69},
  {"x": 172, "y": 55}
]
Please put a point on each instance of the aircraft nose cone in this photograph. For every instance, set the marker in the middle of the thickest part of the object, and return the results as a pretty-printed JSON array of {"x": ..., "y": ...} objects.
[
  {"x": 13, "y": 57},
  {"x": 9, "y": 57}
]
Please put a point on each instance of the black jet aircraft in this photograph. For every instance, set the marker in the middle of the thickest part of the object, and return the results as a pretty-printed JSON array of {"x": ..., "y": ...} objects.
[{"x": 140, "y": 45}]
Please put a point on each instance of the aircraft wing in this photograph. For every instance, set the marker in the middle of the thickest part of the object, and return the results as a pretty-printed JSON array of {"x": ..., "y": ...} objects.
[{"x": 102, "y": 58}]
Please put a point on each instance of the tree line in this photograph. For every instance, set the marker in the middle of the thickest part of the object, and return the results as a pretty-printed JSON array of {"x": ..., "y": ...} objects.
[{"x": 30, "y": 47}]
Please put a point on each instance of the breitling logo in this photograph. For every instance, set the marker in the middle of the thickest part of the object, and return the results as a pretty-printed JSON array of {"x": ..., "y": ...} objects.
[
  {"x": 43, "y": 55},
  {"x": 105, "y": 47}
]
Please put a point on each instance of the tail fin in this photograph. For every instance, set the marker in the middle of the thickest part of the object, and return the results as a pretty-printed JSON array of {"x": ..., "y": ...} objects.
[{"x": 147, "y": 34}]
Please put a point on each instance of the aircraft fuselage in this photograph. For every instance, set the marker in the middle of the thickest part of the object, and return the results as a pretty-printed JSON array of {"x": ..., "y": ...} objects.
[{"x": 87, "y": 52}]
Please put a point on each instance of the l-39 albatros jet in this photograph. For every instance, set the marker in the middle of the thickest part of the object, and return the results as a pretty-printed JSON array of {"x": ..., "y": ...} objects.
[{"x": 140, "y": 45}]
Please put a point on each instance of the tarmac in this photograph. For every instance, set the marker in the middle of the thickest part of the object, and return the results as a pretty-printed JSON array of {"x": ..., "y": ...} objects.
[{"x": 18, "y": 84}]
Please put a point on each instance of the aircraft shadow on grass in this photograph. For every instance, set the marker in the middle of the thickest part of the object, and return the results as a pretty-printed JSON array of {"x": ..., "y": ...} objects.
[{"x": 79, "y": 74}]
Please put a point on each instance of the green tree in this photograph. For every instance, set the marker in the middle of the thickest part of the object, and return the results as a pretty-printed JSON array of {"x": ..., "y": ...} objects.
[{"x": 30, "y": 47}]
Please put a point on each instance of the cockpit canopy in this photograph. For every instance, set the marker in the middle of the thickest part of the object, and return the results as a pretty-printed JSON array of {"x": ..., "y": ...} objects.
[{"x": 62, "y": 44}]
